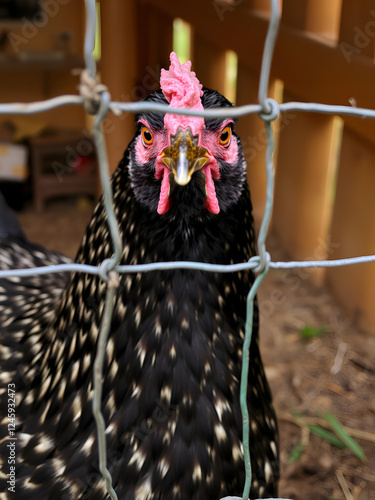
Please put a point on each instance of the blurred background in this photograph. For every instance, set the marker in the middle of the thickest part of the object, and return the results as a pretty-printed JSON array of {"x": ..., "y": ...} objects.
[
  {"x": 325, "y": 174},
  {"x": 324, "y": 204}
]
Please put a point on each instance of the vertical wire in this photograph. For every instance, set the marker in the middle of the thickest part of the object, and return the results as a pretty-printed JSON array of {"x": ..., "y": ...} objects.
[
  {"x": 263, "y": 265},
  {"x": 117, "y": 246},
  {"x": 98, "y": 386},
  {"x": 105, "y": 179},
  {"x": 110, "y": 294},
  {"x": 250, "y": 316},
  {"x": 268, "y": 51},
  {"x": 269, "y": 196},
  {"x": 269, "y": 45},
  {"x": 244, "y": 382},
  {"x": 89, "y": 42}
]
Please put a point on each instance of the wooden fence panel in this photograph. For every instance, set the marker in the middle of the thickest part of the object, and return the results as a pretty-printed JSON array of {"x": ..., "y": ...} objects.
[
  {"x": 251, "y": 130},
  {"x": 118, "y": 31},
  {"x": 317, "y": 17},
  {"x": 304, "y": 183},
  {"x": 209, "y": 64},
  {"x": 353, "y": 229},
  {"x": 155, "y": 38},
  {"x": 253, "y": 136},
  {"x": 357, "y": 29}
]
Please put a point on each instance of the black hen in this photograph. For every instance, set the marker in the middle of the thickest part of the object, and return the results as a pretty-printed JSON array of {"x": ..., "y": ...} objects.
[{"x": 173, "y": 358}]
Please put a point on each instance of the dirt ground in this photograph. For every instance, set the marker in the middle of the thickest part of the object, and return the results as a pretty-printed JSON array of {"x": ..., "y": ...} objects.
[{"x": 334, "y": 372}]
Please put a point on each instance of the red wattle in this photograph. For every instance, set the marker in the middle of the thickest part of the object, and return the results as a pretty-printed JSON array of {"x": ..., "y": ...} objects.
[
  {"x": 164, "y": 201},
  {"x": 211, "y": 202}
]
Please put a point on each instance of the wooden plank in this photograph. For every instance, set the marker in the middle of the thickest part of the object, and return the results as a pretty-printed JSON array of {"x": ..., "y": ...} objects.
[
  {"x": 230, "y": 28},
  {"x": 263, "y": 6},
  {"x": 118, "y": 71},
  {"x": 324, "y": 76},
  {"x": 357, "y": 30},
  {"x": 314, "y": 16},
  {"x": 353, "y": 230},
  {"x": 294, "y": 14},
  {"x": 323, "y": 18},
  {"x": 307, "y": 160},
  {"x": 154, "y": 44},
  {"x": 209, "y": 64},
  {"x": 252, "y": 132},
  {"x": 137, "y": 71}
]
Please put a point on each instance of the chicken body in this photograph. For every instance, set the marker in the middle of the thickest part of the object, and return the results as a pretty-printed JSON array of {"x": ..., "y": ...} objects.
[{"x": 173, "y": 357}]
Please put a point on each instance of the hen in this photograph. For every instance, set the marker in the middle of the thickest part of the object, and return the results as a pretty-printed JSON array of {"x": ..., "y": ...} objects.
[{"x": 173, "y": 358}]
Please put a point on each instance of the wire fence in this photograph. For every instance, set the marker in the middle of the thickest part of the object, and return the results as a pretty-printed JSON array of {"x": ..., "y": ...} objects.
[{"x": 97, "y": 100}]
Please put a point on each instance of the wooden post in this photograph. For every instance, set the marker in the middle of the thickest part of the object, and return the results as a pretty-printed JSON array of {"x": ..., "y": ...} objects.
[
  {"x": 209, "y": 64},
  {"x": 252, "y": 132},
  {"x": 118, "y": 71},
  {"x": 306, "y": 167},
  {"x": 314, "y": 16},
  {"x": 357, "y": 30},
  {"x": 353, "y": 230},
  {"x": 153, "y": 47},
  {"x": 263, "y": 6}
]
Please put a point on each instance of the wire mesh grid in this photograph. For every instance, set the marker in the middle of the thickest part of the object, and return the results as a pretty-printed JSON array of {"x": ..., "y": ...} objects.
[{"x": 97, "y": 100}]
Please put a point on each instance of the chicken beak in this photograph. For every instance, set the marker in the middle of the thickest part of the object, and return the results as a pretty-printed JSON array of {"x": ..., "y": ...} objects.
[{"x": 184, "y": 157}]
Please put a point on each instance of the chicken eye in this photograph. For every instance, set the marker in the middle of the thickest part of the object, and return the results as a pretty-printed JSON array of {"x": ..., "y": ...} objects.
[
  {"x": 147, "y": 137},
  {"x": 225, "y": 136}
]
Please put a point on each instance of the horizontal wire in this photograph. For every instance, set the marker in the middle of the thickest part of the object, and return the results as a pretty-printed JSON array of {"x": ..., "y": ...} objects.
[
  {"x": 312, "y": 107},
  {"x": 196, "y": 266},
  {"x": 246, "y": 109},
  {"x": 365, "y": 259},
  {"x": 29, "y": 108},
  {"x": 151, "y": 107}
]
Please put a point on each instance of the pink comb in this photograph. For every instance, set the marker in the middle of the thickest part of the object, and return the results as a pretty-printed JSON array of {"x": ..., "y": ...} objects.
[{"x": 182, "y": 89}]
